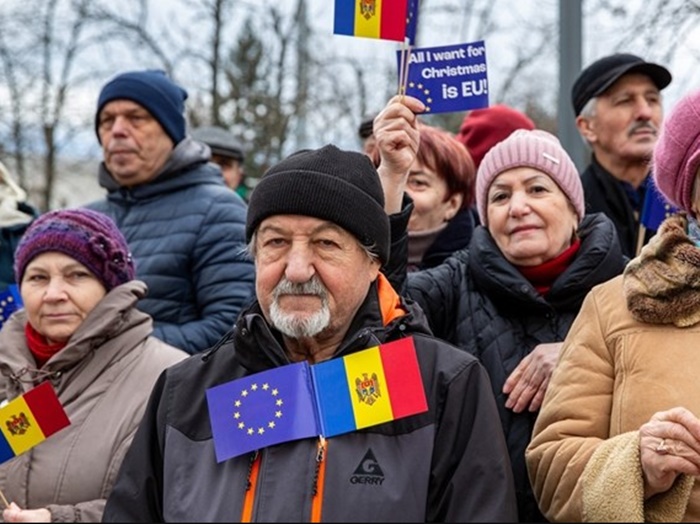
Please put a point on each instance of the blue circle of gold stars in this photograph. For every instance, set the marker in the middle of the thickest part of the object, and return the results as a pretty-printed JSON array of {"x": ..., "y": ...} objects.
[
  {"x": 247, "y": 395},
  {"x": 426, "y": 99}
]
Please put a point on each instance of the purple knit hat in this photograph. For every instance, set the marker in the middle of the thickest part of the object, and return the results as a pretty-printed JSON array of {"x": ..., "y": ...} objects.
[
  {"x": 530, "y": 148},
  {"x": 676, "y": 156},
  {"x": 89, "y": 237}
]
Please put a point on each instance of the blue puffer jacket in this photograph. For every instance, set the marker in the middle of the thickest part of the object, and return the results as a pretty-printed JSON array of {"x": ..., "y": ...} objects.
[{"x": 186, "y": 231}]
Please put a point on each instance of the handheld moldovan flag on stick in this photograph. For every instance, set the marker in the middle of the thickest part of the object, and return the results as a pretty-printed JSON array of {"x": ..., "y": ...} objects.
[
  {"x": 382, "y": 19},
  {"x": 30, "y": 419},
  {"x": 299, "y": 401}
]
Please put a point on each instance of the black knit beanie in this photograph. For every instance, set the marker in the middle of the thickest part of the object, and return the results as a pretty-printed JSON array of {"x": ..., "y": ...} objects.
[{"x": 342, "y": 187}]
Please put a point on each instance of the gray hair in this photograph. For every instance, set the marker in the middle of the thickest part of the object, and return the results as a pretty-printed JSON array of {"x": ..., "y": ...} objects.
[{"x": 589, "y": 111}]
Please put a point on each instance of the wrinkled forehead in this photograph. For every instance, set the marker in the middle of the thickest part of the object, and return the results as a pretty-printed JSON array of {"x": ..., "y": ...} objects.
[
  {"x": 299, "y": 224},
  {"x": 122, "y": 106}
]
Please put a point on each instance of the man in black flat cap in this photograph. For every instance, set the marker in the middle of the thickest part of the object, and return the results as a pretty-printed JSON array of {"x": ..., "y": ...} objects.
[
  {"x": 227, "y": 153},
  {"x": 618, "y": 105}
]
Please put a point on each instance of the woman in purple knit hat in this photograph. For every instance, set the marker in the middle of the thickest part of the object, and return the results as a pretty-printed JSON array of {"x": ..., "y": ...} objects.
[
  {"x": 618, "y": 435},
  {"x": 79, "y": 329}
]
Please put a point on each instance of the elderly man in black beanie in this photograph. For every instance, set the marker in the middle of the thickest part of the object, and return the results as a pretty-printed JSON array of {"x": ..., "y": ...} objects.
[
  {"x": 186, "y": 230},
  {"x": 618, "y": 106},
  {"x": 319, "y": 233}
]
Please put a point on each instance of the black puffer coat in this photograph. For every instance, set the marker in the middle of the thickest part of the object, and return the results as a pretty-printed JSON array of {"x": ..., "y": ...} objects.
[{"x": 481, "y": 303}]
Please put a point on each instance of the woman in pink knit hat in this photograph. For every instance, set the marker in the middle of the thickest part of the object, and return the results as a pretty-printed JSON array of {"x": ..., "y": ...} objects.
[
  {"x": 511, "y": 295},
  {"x": 618, "y": 435}
]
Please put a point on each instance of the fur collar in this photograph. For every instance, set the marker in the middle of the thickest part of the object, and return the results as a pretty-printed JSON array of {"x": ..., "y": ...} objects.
[{"x": 662, "y": 285}]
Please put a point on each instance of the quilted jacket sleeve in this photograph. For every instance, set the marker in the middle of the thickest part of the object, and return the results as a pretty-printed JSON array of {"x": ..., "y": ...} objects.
[{"x": 223, "y": 279}]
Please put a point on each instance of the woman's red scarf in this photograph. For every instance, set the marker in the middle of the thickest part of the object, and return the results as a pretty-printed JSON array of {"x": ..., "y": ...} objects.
[
  {"x": 543, "y": 276},
  {"x": 39, "y": 346}
]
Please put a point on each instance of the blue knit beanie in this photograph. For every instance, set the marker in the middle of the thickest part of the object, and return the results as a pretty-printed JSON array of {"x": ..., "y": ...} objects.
[
  {"x": 90, "y": 237},
  {"x": 153, "y": 90}
]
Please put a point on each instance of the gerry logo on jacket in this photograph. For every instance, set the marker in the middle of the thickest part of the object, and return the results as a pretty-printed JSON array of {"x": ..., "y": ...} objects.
[{"x": 368, "y": 471}]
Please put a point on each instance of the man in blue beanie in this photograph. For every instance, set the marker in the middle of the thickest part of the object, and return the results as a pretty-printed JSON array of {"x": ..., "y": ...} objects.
[{"x": 186, "y": 230}]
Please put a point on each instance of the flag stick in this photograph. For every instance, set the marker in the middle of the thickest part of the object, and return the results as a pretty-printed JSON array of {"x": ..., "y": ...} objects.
[
  {"x": 4, "y": 500},
  {"x": 640, "y": 238},
  {"x": 403, "y": 67}
]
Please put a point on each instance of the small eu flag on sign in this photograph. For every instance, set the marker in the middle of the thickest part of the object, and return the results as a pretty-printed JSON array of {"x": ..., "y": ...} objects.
[{"x": 298, "y": 401}]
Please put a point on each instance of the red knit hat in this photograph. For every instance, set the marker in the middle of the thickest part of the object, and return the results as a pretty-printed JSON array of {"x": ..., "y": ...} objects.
[
  {"x": 676, "y": 157},
  {"x": 484, "y": 128},
  {"x": 537, "y": 149}
]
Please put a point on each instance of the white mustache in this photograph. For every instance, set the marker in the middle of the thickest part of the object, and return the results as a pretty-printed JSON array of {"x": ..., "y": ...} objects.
[{"x": 310, "y": 287}]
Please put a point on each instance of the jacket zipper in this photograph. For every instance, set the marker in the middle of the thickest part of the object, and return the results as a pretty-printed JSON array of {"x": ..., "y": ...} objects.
[
  {"x": 319, "y": 480},
  {"x": 249, "y": 499}
]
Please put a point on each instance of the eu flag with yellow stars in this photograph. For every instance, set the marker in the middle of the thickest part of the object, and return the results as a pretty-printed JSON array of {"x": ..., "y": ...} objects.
[{"x": 262, "y": 410}]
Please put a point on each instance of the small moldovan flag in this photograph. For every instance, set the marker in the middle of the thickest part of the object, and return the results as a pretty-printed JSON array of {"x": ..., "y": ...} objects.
[
  {"x": 383, "y": 19},
  {"x": 30, "y": 419},
  {"x": 369, "y": 387},
  {"x": 298, "y": 401}
]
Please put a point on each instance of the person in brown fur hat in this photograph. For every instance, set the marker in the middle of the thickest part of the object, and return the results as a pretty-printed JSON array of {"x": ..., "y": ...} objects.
[{"x": 618, "y": 434}]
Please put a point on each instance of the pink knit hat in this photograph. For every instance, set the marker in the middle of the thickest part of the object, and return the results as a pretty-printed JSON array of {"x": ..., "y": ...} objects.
[
  {"x": 677, "y": 152},
  {"x": 530, "y": 148}
]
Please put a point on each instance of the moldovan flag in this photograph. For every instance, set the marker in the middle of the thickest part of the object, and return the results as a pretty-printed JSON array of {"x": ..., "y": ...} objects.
[
  {"x": 30, "y": 419},
  {"x": 383, "y": 19},
  {"x": 369, "y": 387}
]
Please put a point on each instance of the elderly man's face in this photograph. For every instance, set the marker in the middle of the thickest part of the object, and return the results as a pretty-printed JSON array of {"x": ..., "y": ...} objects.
[
  {"x": 626, "y": 122},
  {"x": 134, "y": 144},
  {"x": 312, "y": 276}
]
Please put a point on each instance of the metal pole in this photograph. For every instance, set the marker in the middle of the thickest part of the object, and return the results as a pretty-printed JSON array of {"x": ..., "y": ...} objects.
[{"x": 570, "y": 29}]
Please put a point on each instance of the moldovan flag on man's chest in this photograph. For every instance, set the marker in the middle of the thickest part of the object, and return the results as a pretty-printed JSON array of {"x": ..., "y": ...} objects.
[
  {"x": 296, "y": 401},
  {"x": 29, "y": 420},
  {"x": 383, "y": 19}
]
